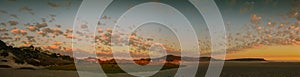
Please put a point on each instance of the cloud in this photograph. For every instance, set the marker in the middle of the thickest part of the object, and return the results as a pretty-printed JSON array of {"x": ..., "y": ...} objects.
[
  {"x": 81, "y": 52},
  {"x": 99, "y": 23},
  {"x": 109, "y": 30},
  {"x": 57, "y": 43},
  {"x": 2, "y": 23},
  {"x": 105, "y": 17},
  {"x": 17, "y": 38},
  {"x": 13, "y": 23},
  {"x": 30, "y": 38},
  {"x": 15, "y": 31},
  {"x": 23, "y": 32},
  {"x": 41, "y": 33},
  {"x": 297, "y": 42},
  {"x": 70, "y": 36},
  {"x": 27, "y": 9},
  {"x": 99, "y": 30},
  {"x": 247, "y": 7},
  {"x": 80, "y": 33},
  {"x": 69, "y": 30},
  {"x": 4, "y": 37},
  {"x": 54, "y": 47},
  {"x": 47, "y": 30},
  {"x": 14, "y": 15},
  {"x": 293, "y": 14},
  {"x": 298, "y": 18},
  {"x": 52, "y": 15},
  {"x": 83, "y": 26},
  {"x": 45, "y": 47},
  {"x": 51, "y": 47},
  {"x": 232, "y": 2},
  {"x": 5, "y": 34},
  {"x": 43, "y": 19},
  {"x": 26, "y": 44},
  {"x": 255, "y": 18},
  {"x": 55, "y": 31},
  {"x": 88, "y": 35},
  {"x": 31, "y": 28},
  {"x": 3, "y": 11},
  {"x": 52, "y": 4},
  {"x": 3, "y": 29},
  {"x": 104, "y": 53},
  {"x": 41, "y": 25},
  {"x": 67, "y": 49},
  {"x": 32, "y": 13},
  {"x": 58, "y": 26}
]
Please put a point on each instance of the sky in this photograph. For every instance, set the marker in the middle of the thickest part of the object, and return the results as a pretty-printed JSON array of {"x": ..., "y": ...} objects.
[{"x": 251, "y": 26}]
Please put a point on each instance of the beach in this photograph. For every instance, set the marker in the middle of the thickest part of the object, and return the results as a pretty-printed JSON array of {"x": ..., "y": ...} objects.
[{"x": 230, "y": 69}]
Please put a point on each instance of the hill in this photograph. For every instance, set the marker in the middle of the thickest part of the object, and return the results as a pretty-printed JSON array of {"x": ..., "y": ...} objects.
[
  {"x": 171, "y": 58},
  {"x": 247, "y": 59},
  {"x": 23, "y": 57}
]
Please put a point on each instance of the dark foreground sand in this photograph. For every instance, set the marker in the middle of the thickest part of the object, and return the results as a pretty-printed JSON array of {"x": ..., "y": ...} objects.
[
  {"x": 233, "y": 69},
  {"x": 230, "y": 69}
]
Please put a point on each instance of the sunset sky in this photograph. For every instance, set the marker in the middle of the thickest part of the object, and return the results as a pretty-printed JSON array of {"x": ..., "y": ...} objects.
[{"x": 255, "y": 28}]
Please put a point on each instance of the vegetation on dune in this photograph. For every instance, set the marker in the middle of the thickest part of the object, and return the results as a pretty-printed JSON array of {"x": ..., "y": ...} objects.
[{"x": 34, "y": 56}]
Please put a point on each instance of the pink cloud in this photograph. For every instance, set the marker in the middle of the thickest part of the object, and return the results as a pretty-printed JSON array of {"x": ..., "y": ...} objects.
[
  {"x": 255, "y": 18},
  {"x": 32, "y": 28},
  {"x": 57, "y": 43},
  {"x": 15, "y": 31},
  {"x": 23, "y": 32}
]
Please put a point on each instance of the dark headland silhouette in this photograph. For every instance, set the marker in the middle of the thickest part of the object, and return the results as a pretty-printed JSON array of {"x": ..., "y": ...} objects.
[{"x": 247, "y": 59}]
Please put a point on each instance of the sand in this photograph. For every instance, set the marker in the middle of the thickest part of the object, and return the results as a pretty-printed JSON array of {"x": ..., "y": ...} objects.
[{"x": 230, "y": 69}]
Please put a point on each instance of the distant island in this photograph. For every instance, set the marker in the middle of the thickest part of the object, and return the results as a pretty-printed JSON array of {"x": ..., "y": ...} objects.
[
  {"x": 247, "y": 59},
  {"x": 173, "y": 58}
]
